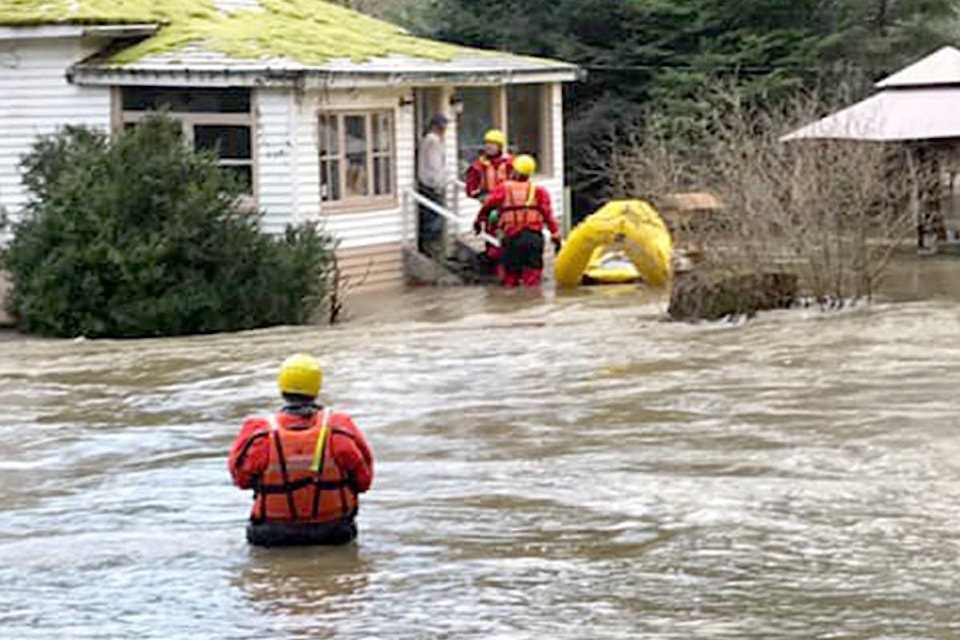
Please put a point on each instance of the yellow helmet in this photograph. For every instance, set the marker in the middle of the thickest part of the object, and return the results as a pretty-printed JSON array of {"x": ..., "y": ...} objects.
[
  {"x": 495, "y": 136},
  {"x": 300, "y": 374},
  {"x": 525, "y": 165}
]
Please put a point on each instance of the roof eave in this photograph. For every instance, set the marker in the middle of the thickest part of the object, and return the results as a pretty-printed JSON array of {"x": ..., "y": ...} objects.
[
  {"x": 826, "y": 137},
  {"x": 56, "y": 31},
  {"x": 942, "y": 67},
  {"x": 900, "y": 88},
  {"x": 121, "y": 30},
  {"x": 38, "y": 32},
  {"x": 334, "y": 78},
  {"x": 97, "y": 75}
]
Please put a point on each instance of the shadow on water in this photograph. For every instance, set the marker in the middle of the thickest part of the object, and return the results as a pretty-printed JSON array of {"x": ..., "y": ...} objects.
[{"x": 304, "y": 591}]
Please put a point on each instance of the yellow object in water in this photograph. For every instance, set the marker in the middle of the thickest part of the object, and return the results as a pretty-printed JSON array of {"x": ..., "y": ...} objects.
[
  {"x": 632, "y": 227},
  {"x": 610, "y": 267}
]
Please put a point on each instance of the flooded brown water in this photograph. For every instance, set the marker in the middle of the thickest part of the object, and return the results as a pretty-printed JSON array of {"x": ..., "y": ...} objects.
[{"x": 548, "y": 466}]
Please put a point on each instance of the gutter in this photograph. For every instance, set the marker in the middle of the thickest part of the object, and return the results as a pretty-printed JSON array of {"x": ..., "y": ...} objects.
[
  {"x": 121, "y": 30},
  {"x": 86, "y": 75},
  {"x": 92, "y": 74},
  {"x": 53, "y": 31}
]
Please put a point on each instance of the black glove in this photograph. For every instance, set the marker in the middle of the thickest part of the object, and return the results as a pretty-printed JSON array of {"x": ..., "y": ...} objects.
[
  {"x": 476, "y": 227},
  {"x": 557, "y": 244}
]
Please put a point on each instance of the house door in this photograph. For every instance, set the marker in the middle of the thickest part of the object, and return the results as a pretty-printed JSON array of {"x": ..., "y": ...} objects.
[{"x": 428, "y": 103}]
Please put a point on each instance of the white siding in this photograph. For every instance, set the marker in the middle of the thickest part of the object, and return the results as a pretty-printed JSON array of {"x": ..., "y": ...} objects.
[
  {"x": 276, "y": 188},
  {"x": 353, "y": 229},
  {"x": 407, "y": 135},
  {"x": 371, "y": 268},
  {"x": 554, "y": 184},
  {"x": 283, "y": 154},
  {"x": 36, "y": 99},
  {"x": 308, "y": 157},
  {"x": 363, "y": 229},
  {"x": 557, "y": 185}
]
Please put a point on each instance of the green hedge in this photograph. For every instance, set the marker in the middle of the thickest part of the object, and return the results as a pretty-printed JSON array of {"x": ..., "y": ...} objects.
[{"x": 137, "y": 235}]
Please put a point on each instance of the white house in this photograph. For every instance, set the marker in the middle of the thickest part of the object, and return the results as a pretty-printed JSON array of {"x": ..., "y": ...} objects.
[{"x": 318, "y": 108}]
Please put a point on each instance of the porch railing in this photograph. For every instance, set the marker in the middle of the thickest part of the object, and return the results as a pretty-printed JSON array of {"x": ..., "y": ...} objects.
[{"x": 457, "y": 225}]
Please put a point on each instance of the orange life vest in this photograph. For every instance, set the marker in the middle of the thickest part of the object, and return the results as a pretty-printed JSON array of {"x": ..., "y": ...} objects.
[
  {"x": 520, "y": 209},
  {"x": 302, "y": 482},
  {"x": 494, "y": 174}
]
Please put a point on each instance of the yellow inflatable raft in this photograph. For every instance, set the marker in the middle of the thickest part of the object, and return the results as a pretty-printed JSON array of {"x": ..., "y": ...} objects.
[
  {"x": 610, "y": 267},
  {"x": 620, "y": 235}
]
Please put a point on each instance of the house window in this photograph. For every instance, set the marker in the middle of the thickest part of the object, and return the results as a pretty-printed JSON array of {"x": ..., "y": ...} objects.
[
  {"x": 522, "y": 111},
  {"x": 480, "y": 112},
  {"x": 215, "y": 120},
  {"x": 530, "y": 123},
  {"x": 357, "y": 157}
]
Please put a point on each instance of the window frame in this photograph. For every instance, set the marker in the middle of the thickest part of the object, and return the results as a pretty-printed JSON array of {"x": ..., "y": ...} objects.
[
  {"x": 358, "y": 204},
  {"x": 189, "y": 120},
  {"x": 546, "y": 168},
  {"x": 499, "y": 116}
]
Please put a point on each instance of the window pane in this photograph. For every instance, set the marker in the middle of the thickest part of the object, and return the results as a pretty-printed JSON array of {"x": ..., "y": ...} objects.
[
  {"x": 330, "y": 180},
  {"x": 329, "y": 132},
  {"x": 329, "y": 135},
  {"x": 127, "y": 126},
  {"x": 525, "y": 106},
  {"x": 220, "y": 101},
  {"x": 383, "y": 176},
  {"x": 243, "y": 174},
  {"x": 186, "y": 101},
  {"x": 355, "y": 128},
  {"x": 477, "y": 117},
  {"x": 228, "y": 142},
  {"x": 382, "y": 132}
]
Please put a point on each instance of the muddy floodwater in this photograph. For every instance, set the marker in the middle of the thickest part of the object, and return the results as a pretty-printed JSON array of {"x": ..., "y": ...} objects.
[{"x": 548, "y": 466}]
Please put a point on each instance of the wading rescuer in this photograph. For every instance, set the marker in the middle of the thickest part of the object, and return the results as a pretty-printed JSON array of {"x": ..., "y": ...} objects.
[
  {"x": 487, "y": 173},
  {"x": 306, "y": 465},
  {"x": 524, "y": 211}
]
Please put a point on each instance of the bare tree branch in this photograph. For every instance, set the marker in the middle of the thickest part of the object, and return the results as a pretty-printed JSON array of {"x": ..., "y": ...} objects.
[{"x": 830, "y": 211}]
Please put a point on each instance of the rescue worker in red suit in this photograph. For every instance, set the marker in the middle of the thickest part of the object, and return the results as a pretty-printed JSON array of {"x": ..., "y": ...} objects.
[
  {"x": 487, "y": 173},
  {"x": 524, "y": 212},
  {"x": 306, "y": 465}
]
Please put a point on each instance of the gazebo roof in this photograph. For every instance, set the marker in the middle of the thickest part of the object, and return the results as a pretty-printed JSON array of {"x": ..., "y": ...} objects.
[
  {"x": 892, "y": 116},
  {"x": 920, "y": 102},
  {"x": 938, "y": 69}
]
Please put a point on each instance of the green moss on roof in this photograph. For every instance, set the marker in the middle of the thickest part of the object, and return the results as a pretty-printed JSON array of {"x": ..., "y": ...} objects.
[
  {"x": 308, "y": 31},
  {"x": 45, "y": 12}
]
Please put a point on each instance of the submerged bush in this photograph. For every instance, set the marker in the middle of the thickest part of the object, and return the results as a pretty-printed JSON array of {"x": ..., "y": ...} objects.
[
  {"x": 137, "y": 235},
  {"x": 831, "y": 212}
]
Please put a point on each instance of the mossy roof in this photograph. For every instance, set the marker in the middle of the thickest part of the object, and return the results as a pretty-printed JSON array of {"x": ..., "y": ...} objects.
[{"x": 310, "y": 32}]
